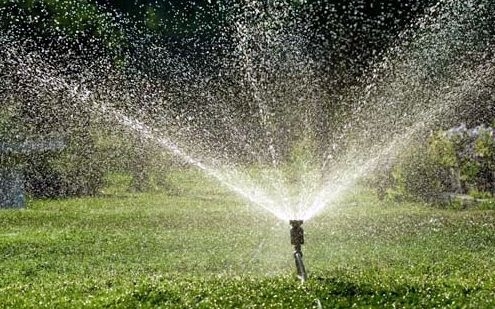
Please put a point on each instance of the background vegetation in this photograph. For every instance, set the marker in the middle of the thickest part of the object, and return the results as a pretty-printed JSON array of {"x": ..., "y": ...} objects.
[
  {"x": 459, "y": 161},
  {"x": 73, "y": 33}
]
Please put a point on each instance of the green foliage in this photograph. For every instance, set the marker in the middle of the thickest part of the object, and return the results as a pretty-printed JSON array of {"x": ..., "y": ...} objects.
[
  {"x": 468, "y": 171},
  {"x": 487, "y": 204},
  {"x": 91, "y": 152},
  {"x": 8, "y": 125},
  {"x": 8, "y": 130},
  {"x": 418, "y": 175},
  {"x": 146, "y": 163},
  {"x": 80, "y": 168},
  {"x": 460, "y": 162},
  {"x": 74, "y": 19},
  {"x": 90, "y": 157},
  {"x": 485, "y": 148},
  {"x": 479, "y": 194},
  {"x": 444, "y": 151},
  {"x": 152, "y": 19}
]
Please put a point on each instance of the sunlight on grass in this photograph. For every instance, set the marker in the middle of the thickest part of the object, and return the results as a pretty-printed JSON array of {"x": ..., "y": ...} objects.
[{"x": 203, "y": 247}]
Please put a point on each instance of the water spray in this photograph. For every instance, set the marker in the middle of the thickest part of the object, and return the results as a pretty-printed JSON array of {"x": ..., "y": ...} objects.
[{"x": 297, "y": 239}]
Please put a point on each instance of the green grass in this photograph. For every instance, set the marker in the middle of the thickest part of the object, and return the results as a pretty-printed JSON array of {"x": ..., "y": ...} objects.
[{"x": 200, "y": 246}]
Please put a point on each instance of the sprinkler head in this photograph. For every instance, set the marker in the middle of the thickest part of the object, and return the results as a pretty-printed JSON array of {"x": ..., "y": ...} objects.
[
  {"x": 297, "y": 239},
  {"x": 296, "y": 234},
  {"x": 296, "y": 223}
]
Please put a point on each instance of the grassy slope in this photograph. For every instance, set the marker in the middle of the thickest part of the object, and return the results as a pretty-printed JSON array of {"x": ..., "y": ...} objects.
[{"x": 203, "y": 247}]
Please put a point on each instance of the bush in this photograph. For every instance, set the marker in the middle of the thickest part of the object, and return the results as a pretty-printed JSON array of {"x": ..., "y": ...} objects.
[
  {"x": 415, "y": 176},
  {"x": 81, "y": 167},
  {"x": 123, "y": 153},
  {"x": 473, "y": 159},
  {"x": 459, "y": 160},
  {"x": 76, "y": 171},
  {"x": 41, "y": 180}
]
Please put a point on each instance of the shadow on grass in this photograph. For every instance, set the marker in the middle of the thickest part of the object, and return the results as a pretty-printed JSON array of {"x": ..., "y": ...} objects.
[{"x": 286, "y": 292}]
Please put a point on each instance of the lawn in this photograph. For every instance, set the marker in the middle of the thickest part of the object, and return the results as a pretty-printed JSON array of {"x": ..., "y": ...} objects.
[{"x": 197, "y": 245}]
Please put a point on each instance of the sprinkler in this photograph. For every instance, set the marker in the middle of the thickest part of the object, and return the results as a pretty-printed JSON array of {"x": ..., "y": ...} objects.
[{"x": 297, "y": 239}]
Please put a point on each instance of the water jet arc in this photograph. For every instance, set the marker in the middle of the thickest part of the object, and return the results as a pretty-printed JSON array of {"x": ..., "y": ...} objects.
[{"x": 297, "y": 239}]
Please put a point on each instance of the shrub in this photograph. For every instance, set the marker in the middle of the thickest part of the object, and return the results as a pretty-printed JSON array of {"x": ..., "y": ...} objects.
[
  {"x": 81, "y": 168},
  {"x": 415, "y": 176},
  {"x": 76, "y": 171},
  {"x": 124, "y": 153},
  {"x": 458, "y": 160}
]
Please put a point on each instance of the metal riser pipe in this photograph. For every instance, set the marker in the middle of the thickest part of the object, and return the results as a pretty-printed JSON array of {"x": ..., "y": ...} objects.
[{"x": 297, "y": 240}]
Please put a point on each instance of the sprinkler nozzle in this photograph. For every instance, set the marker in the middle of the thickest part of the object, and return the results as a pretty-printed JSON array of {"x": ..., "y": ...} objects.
[
  {"x": 297, "y": 239},
  {"x": 296, "y": 234}
]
